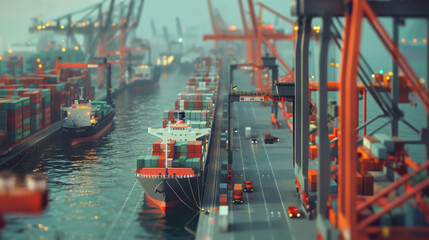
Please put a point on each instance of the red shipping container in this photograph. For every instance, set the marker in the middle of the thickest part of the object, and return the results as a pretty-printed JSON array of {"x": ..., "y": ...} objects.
[
  {"x": 197, "y": 155},
  {"x": 9, "y": 86},
  {"x": 223, "y": 200},
  {"x": 378, "y": 167},
  {"x": 34, "y": 111},
  {"x": 161, "y": 161},
  {"x": 157, "y": 146},
  {"x": 370, "y": 166},
  {"x": 177, "y": 155},
  {"x": 368, "y": 181},
  {"x": 190, "y": 147},
  {"x": 359, "y": 182},
  {"x": 154, "y": 153},
  {"x": 197, "y": 146},
  {"x": 164, "y": 123},
  {"x": 186, "y": 104},
  {"x": 171, "y": 114}
]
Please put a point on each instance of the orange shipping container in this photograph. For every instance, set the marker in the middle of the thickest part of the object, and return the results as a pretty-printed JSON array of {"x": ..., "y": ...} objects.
[
  {"x": 313, "y": 150},
  {"x": 332, "y": 217},
  {"x": 312, "y": 175}
]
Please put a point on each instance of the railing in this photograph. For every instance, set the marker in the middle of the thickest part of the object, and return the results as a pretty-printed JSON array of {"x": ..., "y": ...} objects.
[{"x": 167, "y": 176}]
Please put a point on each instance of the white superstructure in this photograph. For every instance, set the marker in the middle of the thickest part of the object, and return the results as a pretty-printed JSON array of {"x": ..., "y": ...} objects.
[{"x": 179, "y": 132}]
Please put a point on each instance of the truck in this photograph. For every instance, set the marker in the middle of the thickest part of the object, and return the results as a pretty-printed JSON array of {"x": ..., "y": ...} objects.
[
  {"x": 229, "y": 170},
  {"x": 247, "y": 132},
  {"x": 248, "y": 186},
  {"x": 270, "y": 139},
  {"x": 254, "y": 137},
  {"x": 238, "y": 193}
]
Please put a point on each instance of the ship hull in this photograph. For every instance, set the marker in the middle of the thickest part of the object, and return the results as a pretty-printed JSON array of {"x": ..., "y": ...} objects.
[
  {"x": 89, "y": 133},
  {"x": 172, "y": 193},
  {"x": 140, "y": 84}
]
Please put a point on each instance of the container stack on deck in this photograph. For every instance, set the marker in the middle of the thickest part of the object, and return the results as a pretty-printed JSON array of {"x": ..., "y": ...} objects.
[
  {"x": 31, "y": 102},
  {"x": 197, "y": 104}
]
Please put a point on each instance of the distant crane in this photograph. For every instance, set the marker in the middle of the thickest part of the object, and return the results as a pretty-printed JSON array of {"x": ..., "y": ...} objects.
[{"x": 105, "y": 32}]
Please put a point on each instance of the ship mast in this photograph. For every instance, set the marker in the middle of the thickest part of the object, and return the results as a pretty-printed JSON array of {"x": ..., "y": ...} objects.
[{"x": 166, "y": 165}]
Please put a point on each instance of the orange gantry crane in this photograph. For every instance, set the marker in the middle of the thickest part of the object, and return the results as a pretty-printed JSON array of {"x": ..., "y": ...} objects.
[
  {"x": 354, "y": 215},
  {"x": 254, "y": 36},
  {"x": 105, "y": 32}
]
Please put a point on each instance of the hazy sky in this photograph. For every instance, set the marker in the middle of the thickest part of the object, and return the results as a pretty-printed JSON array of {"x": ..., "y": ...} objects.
[
  {"x": 15, "y": 19},
  {"x": 15, "y": 16}
]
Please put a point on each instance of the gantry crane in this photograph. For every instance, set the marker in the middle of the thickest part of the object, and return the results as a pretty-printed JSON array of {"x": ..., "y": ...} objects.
[
  {"x": 259, "y": 33},
  {"x": 105, "y": 32},
  {"x": 352, "y": 219}
]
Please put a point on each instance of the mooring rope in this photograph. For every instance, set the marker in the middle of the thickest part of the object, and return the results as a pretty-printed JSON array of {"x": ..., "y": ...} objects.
[
  {"x": 179, "y": 196},
  {"x": 183, "y": 190},
  {"x": 193, "y": 195},
  {"x": 198, "y": 188}
]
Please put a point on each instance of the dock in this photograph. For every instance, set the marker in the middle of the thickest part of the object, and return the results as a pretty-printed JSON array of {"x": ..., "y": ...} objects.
[{"x": 34, "y": 143}]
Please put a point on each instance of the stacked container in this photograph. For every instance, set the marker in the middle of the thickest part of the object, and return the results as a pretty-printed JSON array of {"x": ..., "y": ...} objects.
[
  {"x": 26, "y": 113},
  {"x": 14, "y": 118}
]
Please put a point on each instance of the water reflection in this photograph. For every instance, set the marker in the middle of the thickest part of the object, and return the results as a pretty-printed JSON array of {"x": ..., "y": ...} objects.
[{"x": 165, "y": 225}]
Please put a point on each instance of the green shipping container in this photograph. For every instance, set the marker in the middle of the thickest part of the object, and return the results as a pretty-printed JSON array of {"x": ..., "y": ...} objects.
[
  {"x": 25, "y": 101},
  {"x": 141, "y": 161},
  {"x": 52, "y": 79},
  {"x": 184, "y": 147},
  {"x": 26, "y": 134},
  {"x": 26, "y": 122},
  {"x": 14, "y": 104},
  {"x": 177, "y": 147},
  {"x": 195, "y": 163},
  {"x": 182, "y": 161},
  {"x": 176, "y": 163}
]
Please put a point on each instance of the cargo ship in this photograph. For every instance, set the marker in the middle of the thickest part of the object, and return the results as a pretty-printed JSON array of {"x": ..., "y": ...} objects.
[
  {"x": 145, "y": 77},
  {"x": 190, "y": 59},
  {"x": 172, "y": 175},
  {"x": 32, "y": 102},
  {"x": 86, "y": 120}
]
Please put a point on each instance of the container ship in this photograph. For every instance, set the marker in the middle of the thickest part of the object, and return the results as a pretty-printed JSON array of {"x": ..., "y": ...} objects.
[
  {"x": 86, "y": 121},
  {"x": 146, "y": 77},
  {"x": 31, "y": 100},
  {"x": 172, "y": 175}
]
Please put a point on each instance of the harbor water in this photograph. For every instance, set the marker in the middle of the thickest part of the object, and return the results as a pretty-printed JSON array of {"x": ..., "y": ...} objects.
[{"x": 93, "y": 193}]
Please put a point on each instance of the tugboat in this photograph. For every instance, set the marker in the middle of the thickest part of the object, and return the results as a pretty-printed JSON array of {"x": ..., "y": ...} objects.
[{"x": 86, "y": 120}]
